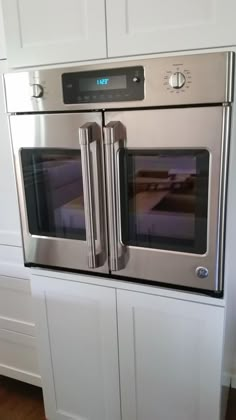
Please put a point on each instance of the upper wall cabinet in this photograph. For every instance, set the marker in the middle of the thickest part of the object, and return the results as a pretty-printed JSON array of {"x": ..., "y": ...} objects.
[
  {"x": 149, "y": 26},
  {"x": 46, "y": 32},
  {"x": 2, "y": 36},
  {"x": 50, "y": 32}
]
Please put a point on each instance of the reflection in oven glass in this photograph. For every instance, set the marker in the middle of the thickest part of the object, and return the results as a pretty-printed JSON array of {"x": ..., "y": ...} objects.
[
  {"x": 54, "y": 192},
  {"x": 63, "y": 181},
  {"x": 162, "y": 197}
]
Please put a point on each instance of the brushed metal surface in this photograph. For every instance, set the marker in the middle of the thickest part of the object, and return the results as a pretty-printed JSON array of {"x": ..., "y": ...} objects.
[
  {"x": 114, "y": 136},
  {"x": 181, "y": 128},
  {"x": 225, "y": 145},
  {"x": 208, "y": 80},
  {"x": 90, "y": 135},
  {"x": 59, "y": 131}
]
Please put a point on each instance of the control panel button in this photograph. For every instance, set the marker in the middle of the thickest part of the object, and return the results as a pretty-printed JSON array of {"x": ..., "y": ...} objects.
[
  {"x": 177, "y": 80},
  {"x": 36, "y": 90},
  {"x": 136, "y": 79},
  {"x": 202, "y": 272}
]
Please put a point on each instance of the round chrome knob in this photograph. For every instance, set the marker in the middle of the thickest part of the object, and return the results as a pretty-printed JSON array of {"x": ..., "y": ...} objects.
[
  {"x": 136, "y": 79},
  {"x": 36, "y": 90},
  {"x": 177, "y": 80}
]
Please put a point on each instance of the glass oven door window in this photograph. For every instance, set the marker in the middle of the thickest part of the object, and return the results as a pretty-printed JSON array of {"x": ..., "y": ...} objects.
[
  {"x": 54, "y": 192},
  {"x": 164, "y": 199}
]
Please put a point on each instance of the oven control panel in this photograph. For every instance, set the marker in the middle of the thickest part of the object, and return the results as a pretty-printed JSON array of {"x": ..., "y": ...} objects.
[
  {"x": 108, "y": 85},
  {"x": 142, "y": 83}
]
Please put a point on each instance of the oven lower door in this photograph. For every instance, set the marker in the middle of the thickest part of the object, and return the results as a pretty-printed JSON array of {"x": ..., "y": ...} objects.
[
  {"x": 166, "y": 189},
  {"x": 59, "y": 170}
]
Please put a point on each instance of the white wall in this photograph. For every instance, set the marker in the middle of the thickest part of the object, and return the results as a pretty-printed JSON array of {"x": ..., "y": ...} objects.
[{"x": 9, "y": 214}]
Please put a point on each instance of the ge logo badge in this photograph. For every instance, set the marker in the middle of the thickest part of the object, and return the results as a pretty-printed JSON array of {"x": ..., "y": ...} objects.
[{"x": 202, "y": 272}]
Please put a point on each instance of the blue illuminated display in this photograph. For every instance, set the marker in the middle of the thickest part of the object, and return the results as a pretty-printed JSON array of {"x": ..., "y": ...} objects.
[
  {"x": 88, "y": 84},
  {"x": 102, "y": 81}
]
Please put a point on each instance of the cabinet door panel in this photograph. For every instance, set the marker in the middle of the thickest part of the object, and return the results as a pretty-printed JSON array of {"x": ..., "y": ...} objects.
[
  {"x": 18, "y": 356},
  {"x": 77, "y": 339},
  {"x": 48, "y": 32},
  {"x": 170, "y": 358},
  {"x": 142, "y": 27}
]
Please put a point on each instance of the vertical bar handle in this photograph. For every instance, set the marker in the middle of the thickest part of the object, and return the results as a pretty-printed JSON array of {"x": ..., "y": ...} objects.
[
  {"x": 89, "y": 133},
  {"x": 114, "y": 135}
]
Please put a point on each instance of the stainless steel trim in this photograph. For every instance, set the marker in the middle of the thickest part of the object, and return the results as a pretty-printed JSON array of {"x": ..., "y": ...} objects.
[
  {"x": 88, "y": 134},
  {"x": 114, "y": 136},
  {"x": 229, "y": 80},
  {"x": 223, "y": 195},
  {"x": 118, "y": 191}
]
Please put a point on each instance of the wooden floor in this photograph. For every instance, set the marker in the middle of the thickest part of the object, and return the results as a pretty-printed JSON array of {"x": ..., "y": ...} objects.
[
  {"x": 20, "y": 401},
  {"x": 231, "y": 413}
]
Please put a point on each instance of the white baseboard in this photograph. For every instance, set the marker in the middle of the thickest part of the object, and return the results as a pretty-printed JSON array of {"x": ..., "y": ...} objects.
[
  {"x": 20, "y": 375},
  {"x": 233, "y": 381},
  {"x": 226, "y": 379}
]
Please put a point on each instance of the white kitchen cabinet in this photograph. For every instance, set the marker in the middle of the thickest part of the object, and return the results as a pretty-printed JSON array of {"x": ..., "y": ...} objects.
[
  {"x": 66, "y": 31},
  {"x": 2, "y": 36},
  {"x": 18, "y": 357},
  {"x": 47, "y": 32},
  {"x": 165, "y": 353},
  {"x": 170, "y": 358},
  {"x": 18, "y": 353},
  {"x": 152, "y": 26},
  {"x": 78, "y": 352}
]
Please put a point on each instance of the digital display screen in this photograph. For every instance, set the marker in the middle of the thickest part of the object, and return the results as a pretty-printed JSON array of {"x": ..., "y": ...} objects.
[{"x": 102, "y": 83}]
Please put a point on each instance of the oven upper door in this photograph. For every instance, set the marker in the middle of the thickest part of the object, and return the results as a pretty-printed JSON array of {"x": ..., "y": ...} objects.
[
  {"x": 59, "y": 169},
  {"x": 165, "y": 194}
]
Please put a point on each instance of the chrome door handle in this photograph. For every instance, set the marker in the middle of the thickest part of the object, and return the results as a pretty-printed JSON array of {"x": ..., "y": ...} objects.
[
  {"x": 90, "y": 142},
  {"x": 114, "y": 136}
]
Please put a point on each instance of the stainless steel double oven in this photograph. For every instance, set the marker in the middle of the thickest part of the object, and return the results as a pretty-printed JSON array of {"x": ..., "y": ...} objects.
[{"x": 121, "y": 168}]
